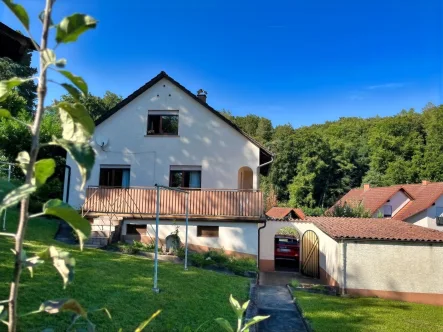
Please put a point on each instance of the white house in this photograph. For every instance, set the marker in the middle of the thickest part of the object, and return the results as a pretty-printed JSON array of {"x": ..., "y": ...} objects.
[
  {"x": 164, "y": 134},
  {"x": 418, "y": 204}
]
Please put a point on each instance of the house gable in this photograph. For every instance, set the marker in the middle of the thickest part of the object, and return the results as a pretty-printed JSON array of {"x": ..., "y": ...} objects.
[{"x": 265, "y": 154}]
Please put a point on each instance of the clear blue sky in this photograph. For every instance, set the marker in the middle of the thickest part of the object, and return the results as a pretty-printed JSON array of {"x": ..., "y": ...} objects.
[{"x": 293, "y": 61}]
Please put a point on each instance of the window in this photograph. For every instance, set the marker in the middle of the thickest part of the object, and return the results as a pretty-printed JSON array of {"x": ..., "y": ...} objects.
[
  {"x": 207, "y": 231},
  {"x": 439, "y": 215},
  {"x": 134, "y": 229},
  {"x": 160, "y": 124},
  {"x": 186, "y": 177},
  {"x": 387, "y": 211},
  {"x": 114, "y": 176}
]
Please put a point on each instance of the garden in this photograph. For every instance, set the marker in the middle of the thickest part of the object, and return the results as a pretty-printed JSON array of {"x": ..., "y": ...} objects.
[{"x": 120, "y": 283}]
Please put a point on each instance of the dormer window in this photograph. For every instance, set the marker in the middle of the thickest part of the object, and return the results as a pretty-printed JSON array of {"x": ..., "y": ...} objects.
[
  {"x": 162, "y": 123},
  {"x": 439, "y": 215},
  {"x": 387, "y": 211}
]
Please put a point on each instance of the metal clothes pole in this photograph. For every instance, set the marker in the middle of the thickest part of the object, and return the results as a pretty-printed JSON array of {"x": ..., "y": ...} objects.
[
  {"x": 9, "y": 180},
  {"x": 186, "y": 236},
  {"x": 157, "y": 219}
]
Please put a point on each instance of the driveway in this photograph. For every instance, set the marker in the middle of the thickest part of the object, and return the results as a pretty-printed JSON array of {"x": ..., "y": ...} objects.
[{"x": 277, "y": 302}]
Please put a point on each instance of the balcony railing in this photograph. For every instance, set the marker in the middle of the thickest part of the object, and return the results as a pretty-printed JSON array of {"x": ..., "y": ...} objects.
[{"x": 202, "y": 202}]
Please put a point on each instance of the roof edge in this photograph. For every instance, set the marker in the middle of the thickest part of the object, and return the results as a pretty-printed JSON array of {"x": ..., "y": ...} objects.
[{"x": 155, "y": 80}]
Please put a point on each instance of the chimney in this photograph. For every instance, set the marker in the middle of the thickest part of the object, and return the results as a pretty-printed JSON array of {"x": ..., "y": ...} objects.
[
  {"x": 366, "y": 186},
  {"x": 425, "y": 182},
  {"x": 202, "y": 94}
]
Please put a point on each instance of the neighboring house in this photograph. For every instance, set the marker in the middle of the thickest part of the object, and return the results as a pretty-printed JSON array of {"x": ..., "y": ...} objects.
[
  {"x": 13, "y": 44},
  {"x": 164, "y": 134},
  {"x": 419, "y": 204},
  {"x": 284, "y": 213}
]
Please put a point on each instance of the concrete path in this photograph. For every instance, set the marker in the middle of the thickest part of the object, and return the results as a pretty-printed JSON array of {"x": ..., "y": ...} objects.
[{"x": 277, "y": 302}]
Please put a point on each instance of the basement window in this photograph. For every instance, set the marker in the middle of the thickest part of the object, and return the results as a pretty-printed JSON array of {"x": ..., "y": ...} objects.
[
  {"x": 135, "y": 229},
  {"x": 207, "y": 231},
  {"x": 162, "y": 124}
]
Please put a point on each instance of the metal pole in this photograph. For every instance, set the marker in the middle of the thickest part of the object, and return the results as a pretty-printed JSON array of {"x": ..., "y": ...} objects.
[
  {"x": 157, "y": 219},
  {"x": 186, "y": 236},
  {"x": 9, "y": 180}
]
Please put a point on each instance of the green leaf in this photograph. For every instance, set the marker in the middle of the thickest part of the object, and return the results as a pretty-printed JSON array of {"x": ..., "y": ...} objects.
[
  {"x": 236, "y": 307},
  {"x": 245, "y": 305},
  {"x": 57, "y": 306},
  {"x": 72, "y": 90},
  {"x": 43, "y": 169},
  {"x": 4, "y": 113},
  {"x": 76, "y": 80},
  {"x": 17, "y": 195},
  {"x": 62, "y": 261},
  {"x": 8, "y": 85},
  {"x": 254, "y": 320},
  {"x": 30, "y": 263},
  {"x": 48, "y": 56},
  {"x": 23, "y": 159},
  {"x": 224, "y": 324},
  {"x": 78, "y": 125},
  {"x": 146, "y": 322},
  {"x": 3, "y": 312},
  {"x": 71, "y": 27},
  {"x": 19, "y": 11},
  {"x": 61, "y": 63},
  {"x": 83, "y": 155},
  {"x": 62, "y": 210}
]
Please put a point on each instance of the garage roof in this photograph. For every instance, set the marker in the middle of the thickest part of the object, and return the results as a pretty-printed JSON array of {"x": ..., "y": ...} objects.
[
  {"x": 281, "y": 213},
  {"x": 374, "y": 229}
]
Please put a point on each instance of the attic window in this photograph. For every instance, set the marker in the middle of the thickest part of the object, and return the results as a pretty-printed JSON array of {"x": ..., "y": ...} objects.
[
  {"x": 439, "y": 215},
  {"x": 162, "y": 123},
  {"x": 387, "y": 211}
]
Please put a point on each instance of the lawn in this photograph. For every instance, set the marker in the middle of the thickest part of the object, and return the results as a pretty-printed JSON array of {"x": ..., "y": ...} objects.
[
  {"x": 121, "y": 283},
  {"x": 332, "y": 313}
]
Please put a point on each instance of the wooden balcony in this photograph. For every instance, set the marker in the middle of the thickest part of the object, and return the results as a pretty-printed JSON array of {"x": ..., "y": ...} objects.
[{"x": 203, "y": 203}]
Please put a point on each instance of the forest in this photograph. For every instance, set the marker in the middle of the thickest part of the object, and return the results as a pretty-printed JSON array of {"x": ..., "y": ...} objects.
[{"x": 313, "y": 167}]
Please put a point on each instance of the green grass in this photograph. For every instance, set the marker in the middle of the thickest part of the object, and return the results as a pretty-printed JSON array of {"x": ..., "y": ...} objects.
[
  {"x": 121, "y": 283},
  {"x": 332, "y": 313}
]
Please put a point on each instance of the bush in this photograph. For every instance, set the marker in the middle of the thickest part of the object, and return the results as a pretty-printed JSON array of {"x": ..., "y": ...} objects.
[
  {"x": 180, "y": 252},
  {"x": 242, "y": 265},
  {"x": 217, "y": 256},
  {"x": 140, "y": 246},
  {"x": 200, "y": 260},
  {"x": 295, "y": 283}
]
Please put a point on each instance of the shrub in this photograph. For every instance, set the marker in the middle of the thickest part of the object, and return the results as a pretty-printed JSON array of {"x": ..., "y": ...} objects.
[
  {"x": 242, "y": 265},
  {"x": 200, "y": 260},
  {"x": 140, "y": 246},
  {"x": 295, "y": 283},
  {"x": 217, "y": 256},
  {"x": 180, "y": 252}
]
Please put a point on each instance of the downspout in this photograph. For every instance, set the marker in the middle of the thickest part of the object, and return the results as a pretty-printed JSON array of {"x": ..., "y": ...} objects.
[
  {"x": 68, "y": 183},
  {"x": 343, "y": 281},
  {"x": 258, "y": 256}
]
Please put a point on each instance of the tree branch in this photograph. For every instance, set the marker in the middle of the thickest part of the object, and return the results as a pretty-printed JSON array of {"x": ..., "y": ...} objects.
[{"x": 35, "y": 130}]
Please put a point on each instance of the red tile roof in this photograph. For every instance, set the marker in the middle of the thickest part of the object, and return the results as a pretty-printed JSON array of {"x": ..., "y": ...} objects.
[
  {"x": 280, "y": 213},
  {"x": 374, "y": 229},
  {"x": 422, "y": 197}
]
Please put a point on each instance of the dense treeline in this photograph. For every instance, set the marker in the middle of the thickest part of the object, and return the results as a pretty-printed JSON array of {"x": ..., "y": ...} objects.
[
  {"x": 316, "y": 165},
  {"x": 15, "y": 137}
]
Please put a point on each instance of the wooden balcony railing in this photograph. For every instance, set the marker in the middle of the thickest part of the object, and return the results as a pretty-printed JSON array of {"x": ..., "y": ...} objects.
[{"x": 202, "y": 202}]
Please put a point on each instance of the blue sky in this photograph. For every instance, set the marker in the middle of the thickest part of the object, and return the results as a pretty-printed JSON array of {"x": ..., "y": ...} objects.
[{"x": 295, "y": 61}]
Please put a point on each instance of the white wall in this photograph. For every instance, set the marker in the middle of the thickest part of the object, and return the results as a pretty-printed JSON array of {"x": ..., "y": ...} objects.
[
  {"x": 329, "y": 248},
  {"x": 395, "y": 266},
  {"x": 233, "y": 236},
  {"x": 397, "y": 202},
  {"x": 427, "y": 218},
  {"x": 204, "y": 140}
]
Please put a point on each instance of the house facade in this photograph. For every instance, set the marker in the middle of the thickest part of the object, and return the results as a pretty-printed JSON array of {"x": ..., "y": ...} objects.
[
  {"x": 418, "y": 204},
  {"x": 163, "y": 134}
]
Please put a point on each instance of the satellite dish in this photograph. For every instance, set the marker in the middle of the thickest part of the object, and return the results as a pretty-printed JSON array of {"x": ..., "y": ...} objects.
[{"x": 101, "y": 140}]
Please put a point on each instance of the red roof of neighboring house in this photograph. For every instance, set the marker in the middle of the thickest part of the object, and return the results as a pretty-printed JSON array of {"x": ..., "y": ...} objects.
[
  {"x": 422, "y": 197},
  {"x": 374, "y": 229},
  {"x": 279, "y": 213}
]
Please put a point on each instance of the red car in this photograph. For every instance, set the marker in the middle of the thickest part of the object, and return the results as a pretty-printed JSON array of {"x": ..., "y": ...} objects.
[{"x": 286, "y": 247}]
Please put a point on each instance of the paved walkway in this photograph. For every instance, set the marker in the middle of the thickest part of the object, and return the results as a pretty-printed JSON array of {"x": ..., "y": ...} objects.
[{"x": 277, "y": 302}]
